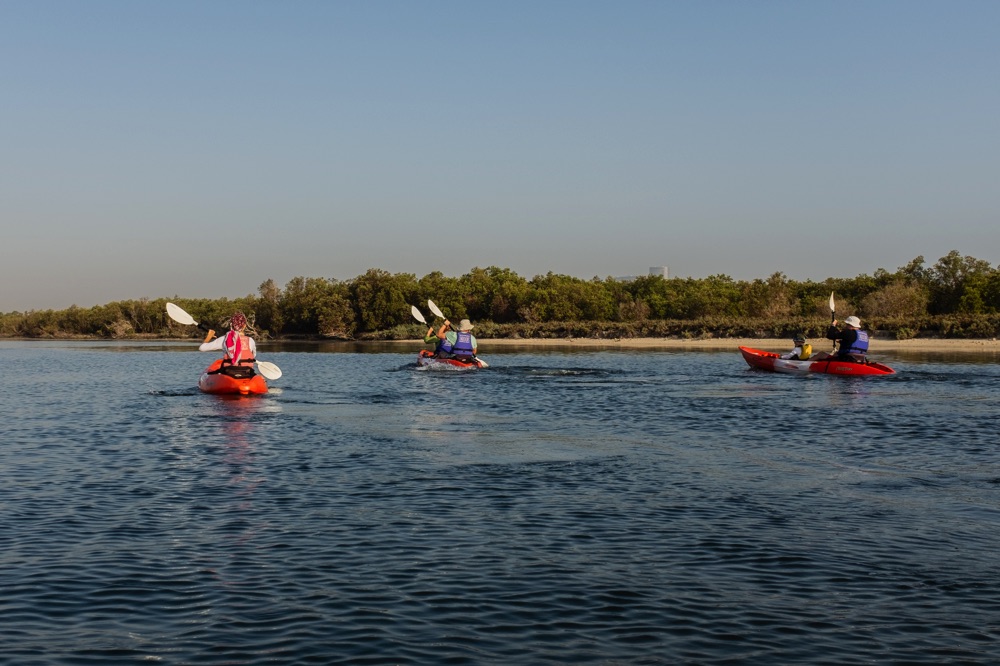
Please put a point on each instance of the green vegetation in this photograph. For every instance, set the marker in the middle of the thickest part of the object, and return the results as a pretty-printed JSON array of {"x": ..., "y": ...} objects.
[{"x": 958, "y": 297}]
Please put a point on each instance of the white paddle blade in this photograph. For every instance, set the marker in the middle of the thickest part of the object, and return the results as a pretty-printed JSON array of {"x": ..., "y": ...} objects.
[
  {"x": 269, "y": 370},
  {"x": 482, "y": 363},
  {"x": 416, "y": 314},
  {"x": 833, "y": 307},
  {"x": 179, "y": 315},
  {"x": 437, "y": 312}
]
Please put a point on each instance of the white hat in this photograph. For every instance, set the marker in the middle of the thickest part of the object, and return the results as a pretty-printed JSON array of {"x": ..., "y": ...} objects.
[
  {"x": 465, "y": 325},
  {"x": 853, "y": 321}
]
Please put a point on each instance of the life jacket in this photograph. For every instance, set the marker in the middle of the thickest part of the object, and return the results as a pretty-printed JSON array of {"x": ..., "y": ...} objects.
[
  {"x": 237, "y": 347},
  {"x": 859, "y": 346},
  {"x": 463, "y": 344},
  {"x": 443, "y": 346},
  {"x": 807, "y": 351}
]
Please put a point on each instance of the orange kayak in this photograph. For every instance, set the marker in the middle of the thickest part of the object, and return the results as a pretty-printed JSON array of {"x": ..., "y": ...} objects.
[{"x": 213, "y": 381}]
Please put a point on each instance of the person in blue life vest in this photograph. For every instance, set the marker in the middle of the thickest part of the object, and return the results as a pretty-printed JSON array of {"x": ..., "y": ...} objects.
[
  {"x": 853, "y": 342},
  {"x": 801, "y": 351},
  {"x": 459, "y": 344}
]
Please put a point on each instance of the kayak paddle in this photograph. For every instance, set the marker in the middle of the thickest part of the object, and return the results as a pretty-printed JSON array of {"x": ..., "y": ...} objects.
[
  {"x": 833, "y": 316},
  {"x": 435, "y": 309},
  {"x": 269, "y": 370}
]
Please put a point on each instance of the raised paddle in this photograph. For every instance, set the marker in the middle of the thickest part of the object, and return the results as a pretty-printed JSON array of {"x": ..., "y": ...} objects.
[
  {"x": 417, "y": 314},
  {"x": 437, "y": 313},
  {"x": 269, "y": 370},
  {"x": 833, "y": 316},
  {"x": 435, "y": 309}
]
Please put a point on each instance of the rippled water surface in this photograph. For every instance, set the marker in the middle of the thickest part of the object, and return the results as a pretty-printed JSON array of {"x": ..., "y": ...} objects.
[{"x": 558, "y": 508}]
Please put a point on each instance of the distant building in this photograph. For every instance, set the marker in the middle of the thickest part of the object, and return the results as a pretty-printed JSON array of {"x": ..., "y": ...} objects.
[{"x": 653, "y": 270}]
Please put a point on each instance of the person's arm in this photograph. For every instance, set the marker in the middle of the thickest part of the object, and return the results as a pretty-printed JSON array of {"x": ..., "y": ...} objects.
[
  {"x": 430, "y": 336},
  {"x": 443, "y": 331},
  {"x": 213, "y": 345},
  {"x": 793, "y": 355}
]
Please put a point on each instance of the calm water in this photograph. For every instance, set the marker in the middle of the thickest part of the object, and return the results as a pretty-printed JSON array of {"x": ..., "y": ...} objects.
[{"x": 559, "y": 508}]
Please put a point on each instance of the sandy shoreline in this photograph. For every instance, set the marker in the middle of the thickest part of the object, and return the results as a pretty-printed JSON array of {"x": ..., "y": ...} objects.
[
  {"x": 732, "y": 343},
  {"x": 766, "y": 344}
]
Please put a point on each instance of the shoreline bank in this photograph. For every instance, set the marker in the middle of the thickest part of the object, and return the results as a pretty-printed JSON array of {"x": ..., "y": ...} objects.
[{"x": 767, "y": 344}]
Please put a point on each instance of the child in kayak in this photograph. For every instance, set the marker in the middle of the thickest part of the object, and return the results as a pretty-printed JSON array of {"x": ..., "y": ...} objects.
[{"x": 801, "y": 351}]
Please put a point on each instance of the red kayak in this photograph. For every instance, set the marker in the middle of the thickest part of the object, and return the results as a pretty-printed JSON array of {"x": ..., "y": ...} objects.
[
  {"x": 213, "y": 381},
  {"x": 427, "y": 359},
  {"x": 764, "y": 360}
]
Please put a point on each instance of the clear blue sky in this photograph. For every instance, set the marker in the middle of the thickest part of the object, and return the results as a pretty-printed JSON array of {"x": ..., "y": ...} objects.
[{"x": 152, "y": 149}]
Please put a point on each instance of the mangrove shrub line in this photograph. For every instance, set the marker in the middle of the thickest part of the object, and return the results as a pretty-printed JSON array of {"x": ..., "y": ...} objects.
[{"x": 959, "y": 296}]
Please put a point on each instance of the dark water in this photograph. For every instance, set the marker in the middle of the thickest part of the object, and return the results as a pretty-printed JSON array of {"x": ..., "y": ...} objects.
[{"x": 559, "y": 508}]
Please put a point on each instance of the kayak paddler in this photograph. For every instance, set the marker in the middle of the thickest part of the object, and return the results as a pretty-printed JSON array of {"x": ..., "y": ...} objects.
[
  {"x": 801, "y": 351},
  {"x": 238, "y": 348},
  {"x": 459, "y": 344},
  {"x": 852, "y": 341}
]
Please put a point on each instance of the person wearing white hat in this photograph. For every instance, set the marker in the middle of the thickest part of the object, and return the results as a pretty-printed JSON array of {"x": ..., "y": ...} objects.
[
  {"x": 853, "y": 341},
  {"x": 460, "y": 343}
]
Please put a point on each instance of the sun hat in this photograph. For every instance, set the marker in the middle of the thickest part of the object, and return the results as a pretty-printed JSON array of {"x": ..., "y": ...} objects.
[
  {"x": 853, "y": 321},
  {"x": 465, "y": 325},
  {"x": 799, "y": 338}
]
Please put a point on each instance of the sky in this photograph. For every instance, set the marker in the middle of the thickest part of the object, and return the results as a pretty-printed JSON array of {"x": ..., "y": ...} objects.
[{"x": 198, "y": 149}]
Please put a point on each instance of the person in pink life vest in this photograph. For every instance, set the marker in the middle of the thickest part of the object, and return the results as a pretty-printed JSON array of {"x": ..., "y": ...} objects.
[{"x": 238, "y": 347}]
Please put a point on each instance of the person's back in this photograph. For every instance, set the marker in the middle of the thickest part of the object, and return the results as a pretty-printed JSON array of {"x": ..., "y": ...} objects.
[
  {"x": 239, "y": 349},
  {"x": 853, "y": 341},
  {"x": 462, "y": 343}
]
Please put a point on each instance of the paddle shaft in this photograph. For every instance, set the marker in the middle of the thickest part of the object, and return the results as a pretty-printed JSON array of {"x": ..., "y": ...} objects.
[{"x": 833, "y": 316}]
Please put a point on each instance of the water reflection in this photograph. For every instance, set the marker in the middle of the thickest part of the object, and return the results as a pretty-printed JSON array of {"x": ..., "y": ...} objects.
[{"x": 236, "y": 413}]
